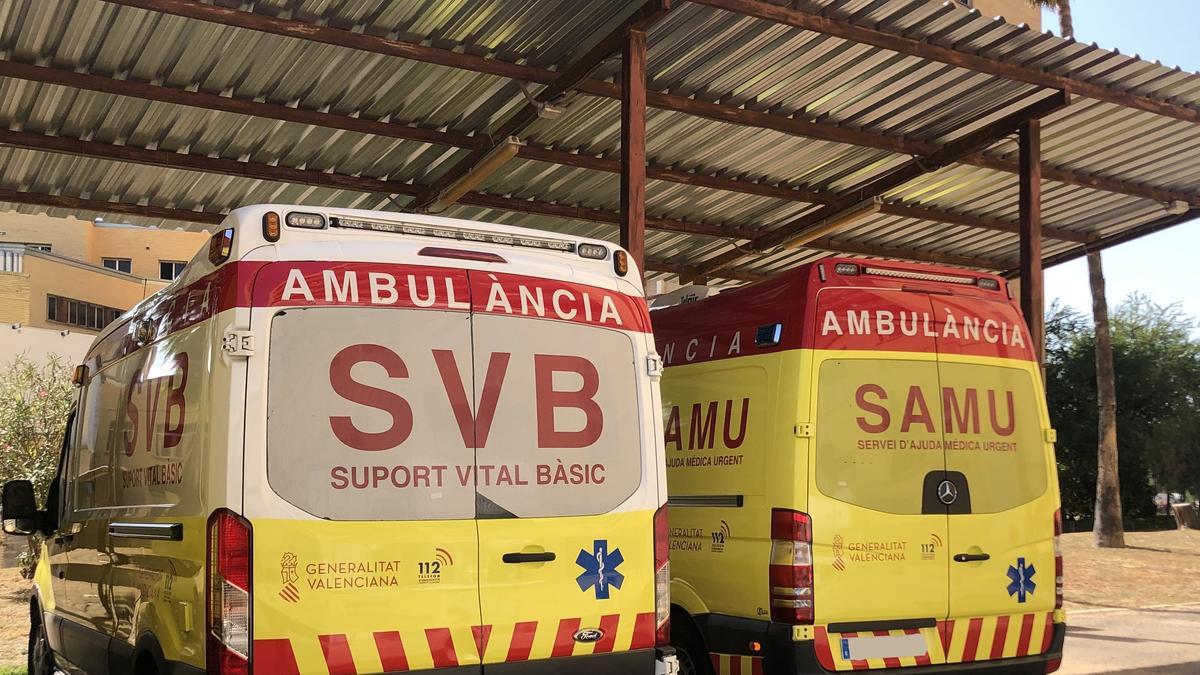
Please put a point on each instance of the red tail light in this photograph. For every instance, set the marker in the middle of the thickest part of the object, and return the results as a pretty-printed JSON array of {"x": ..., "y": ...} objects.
[
  {"x": 791, "y": 573},
  {"x": 1058, "y": 561},
  {"x": 1052, "y": 665},
  {"x": 662, "y": 579},
  {"x": 229, "y": 591}
]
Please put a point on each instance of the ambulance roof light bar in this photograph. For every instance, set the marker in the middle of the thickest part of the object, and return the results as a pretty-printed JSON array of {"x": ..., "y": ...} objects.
[
  {"x": 455, "y": 233},
  {"x": 918, "y": 276}
]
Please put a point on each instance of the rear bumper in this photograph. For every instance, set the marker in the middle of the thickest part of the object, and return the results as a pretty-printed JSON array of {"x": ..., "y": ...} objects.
[
  {"x": 784, "y": 656},
  {"x": 620, "y": 663}
]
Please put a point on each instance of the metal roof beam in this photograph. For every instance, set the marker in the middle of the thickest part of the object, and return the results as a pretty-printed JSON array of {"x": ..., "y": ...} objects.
[
  {"x": 202, "y": 217},
  {"x": 841, "y": 28},
  {"x": 259, "y": 171},
  {"x": 338, "y": 181},
  {"x": 824, "y": 220},
  {"x": 470, "y": 169},
  {"x": 1111, "y": 240},
  {"x": 817, "y": 130}
]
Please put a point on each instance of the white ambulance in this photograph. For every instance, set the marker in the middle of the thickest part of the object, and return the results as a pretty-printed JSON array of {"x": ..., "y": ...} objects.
[{"x": 350, "y": 441}]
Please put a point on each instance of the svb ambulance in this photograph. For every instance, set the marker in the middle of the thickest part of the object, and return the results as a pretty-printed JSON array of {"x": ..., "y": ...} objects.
[
  {"x": 349, "y": 441},
  {"x": 861, "y": 476}
]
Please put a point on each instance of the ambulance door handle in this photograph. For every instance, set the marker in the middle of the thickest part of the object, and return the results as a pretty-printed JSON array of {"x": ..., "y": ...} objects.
[
  {"x": 971, "y": 557},
  {"x": 513, "y": 558}
]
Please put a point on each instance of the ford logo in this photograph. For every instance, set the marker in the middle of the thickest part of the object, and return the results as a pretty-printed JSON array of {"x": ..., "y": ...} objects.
[{"x": 588, "y": 635}]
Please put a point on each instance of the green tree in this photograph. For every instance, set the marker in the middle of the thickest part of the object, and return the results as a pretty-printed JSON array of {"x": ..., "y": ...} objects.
[
  {"x": 34, "y": 402},
  {"x": 1063, "y": 9},
  {"x": 1156, "y": 364}
]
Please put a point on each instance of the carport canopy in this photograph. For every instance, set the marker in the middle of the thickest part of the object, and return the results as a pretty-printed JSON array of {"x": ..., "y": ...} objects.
[{"x": 720, "y": 140}]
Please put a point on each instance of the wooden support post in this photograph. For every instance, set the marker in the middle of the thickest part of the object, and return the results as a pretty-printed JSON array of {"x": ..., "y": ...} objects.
[
  {"x": 1032, "y": 287},
  {"x": 633, "y": 146}
]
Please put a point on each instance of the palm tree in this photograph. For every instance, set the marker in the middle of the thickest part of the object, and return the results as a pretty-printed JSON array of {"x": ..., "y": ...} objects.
[
  {"x": 1063, "y": 9},
  {"x": 1108, "y": 530}
]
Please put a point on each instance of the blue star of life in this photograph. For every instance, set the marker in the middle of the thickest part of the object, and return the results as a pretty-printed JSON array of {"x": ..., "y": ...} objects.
[
  {"x": 1021, "y": 578},
  {"x": 600, "y": 569}
]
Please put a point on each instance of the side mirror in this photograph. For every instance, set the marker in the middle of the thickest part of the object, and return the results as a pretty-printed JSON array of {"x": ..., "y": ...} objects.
[{"x": 18, "y": 508}]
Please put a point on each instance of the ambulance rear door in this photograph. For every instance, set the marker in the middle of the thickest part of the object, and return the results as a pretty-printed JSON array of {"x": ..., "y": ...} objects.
[
  {"x": 998, "y": 454},
  {"x": 879, "y": 533},
  {"x": 566, "y": 494},
  {"x": 365, "y": 545}
]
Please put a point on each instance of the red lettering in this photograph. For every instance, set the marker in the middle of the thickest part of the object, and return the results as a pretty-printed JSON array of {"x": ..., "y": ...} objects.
[
  {"x": 965, "y": 414},
  {"x": 175, "y": 401},
  {"x": 372, "y": 397},
  {"x": 131, "y": 412},
  {"x": 550, "y": 399},
  {"x": 885, "y": 418},
  {"x": 671, "y": 435},
  {"x": 474, "y": 430},
  {"x": 1012, "y": 415},
  {"x": 731, "y": 442},
  {"x": 916, "y": 411},
  {"x": 700, "y": 432}
]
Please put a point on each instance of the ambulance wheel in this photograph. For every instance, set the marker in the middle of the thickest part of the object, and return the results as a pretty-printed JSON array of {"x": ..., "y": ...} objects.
[
  {"x": 41, "y": 658},
  {"x": 689, "y": 647}
]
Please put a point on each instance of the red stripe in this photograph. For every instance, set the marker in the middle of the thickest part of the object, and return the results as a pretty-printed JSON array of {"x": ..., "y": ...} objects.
[
  {"x": 756, "y": 666},
  {"x": 564, "y": 642},
  {"x": 857, "y": 664},
  {"x": 735, "y": 665},
  {"x": 999, "y": 637},
  {"x": 522, "y": 641},
  {"x": 888, "y": 661},
  {"x": 1026, "y": 633},
  {"x": 564, "y": 300},
  {"x": 643, "y": 631},
  {"x": 946, "y": 632},
  {"x": 1049, "y": 633},
  {"x": 824, "y": 656},
  {"x": 716, "y": 660},
  {"x": 391, "y": 651},
  {"x": 972, "y": 646},
  {"x": 337, "y": 655},
  {"x": 481, "y": 634},
  {"x": 922, "y": 660},
  {"x": 275, "y": 656},
  {"x": 441, "y": 647},
  {"x": 608, "y": 627}
]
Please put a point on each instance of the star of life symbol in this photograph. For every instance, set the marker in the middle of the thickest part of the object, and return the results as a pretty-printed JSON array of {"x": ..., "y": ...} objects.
[
  {"x": 287, "y": 571},
  {"x": 600, "y": 569},
  {"x": 1021, "y": 577}
]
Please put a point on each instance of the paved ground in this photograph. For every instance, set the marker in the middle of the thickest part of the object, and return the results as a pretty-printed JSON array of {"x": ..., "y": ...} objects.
[{"x": 1164, "y": 640}]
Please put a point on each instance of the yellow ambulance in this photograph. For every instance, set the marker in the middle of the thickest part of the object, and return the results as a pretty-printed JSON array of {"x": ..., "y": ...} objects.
[
  {"x": 350, "y": 441},
  {"x": 861, "y": 476}
]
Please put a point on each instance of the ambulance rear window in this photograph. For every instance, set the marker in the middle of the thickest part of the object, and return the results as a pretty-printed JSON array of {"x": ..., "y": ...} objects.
[
  {"x": 878, "y": 431},
  {"x": 884, "y": 424}
]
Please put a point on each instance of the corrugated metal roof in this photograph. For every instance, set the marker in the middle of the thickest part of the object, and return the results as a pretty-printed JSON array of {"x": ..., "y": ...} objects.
[{"x": 695, "y": 51}]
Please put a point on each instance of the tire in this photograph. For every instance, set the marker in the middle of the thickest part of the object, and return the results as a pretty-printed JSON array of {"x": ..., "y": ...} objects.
[
  {"x": 689, "y": 647},
  {"x": 40, "y": 659}
]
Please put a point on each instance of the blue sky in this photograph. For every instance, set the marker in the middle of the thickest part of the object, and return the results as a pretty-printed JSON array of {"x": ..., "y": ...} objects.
[{"x": 1165, "y": 265}]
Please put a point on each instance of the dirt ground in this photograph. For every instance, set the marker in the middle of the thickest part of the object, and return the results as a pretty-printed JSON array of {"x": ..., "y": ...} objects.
[
  {"x": 14, "y": 617},
  {"x": 1156, "y": 568}
]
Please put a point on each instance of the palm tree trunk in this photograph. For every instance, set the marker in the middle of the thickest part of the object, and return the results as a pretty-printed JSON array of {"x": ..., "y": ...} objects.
[
  {"x": 1065, "y": 23},
  {"x": 1108, "y": 530}
]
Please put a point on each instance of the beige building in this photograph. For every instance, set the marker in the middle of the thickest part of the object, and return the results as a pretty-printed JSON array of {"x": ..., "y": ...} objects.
[
  {"x": 74, "y": 275},
  {"x": 1013, "y": 11}
]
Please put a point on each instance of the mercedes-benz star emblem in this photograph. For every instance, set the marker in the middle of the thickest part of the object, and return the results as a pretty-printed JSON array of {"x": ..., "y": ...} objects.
[{"x": 947, "y": 493}]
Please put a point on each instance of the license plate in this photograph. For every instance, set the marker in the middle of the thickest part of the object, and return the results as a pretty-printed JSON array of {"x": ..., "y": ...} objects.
[{"x": 883, "y": 646}]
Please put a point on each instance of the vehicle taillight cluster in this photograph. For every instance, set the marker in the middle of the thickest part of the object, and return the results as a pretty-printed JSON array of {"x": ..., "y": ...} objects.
[
  {"x": 662, "y": 579},
  {"x": 228, "y": 581},
  {"x": 1058, "y": 560},
  {"x": 791, "y": 575}
]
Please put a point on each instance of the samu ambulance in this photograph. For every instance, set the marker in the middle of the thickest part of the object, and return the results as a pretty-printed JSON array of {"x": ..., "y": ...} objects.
[
  {"x": 349, "y": 441},
  {"x": 861, "y": 476}
]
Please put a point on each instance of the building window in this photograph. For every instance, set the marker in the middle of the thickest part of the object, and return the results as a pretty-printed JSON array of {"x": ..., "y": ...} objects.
[
  {"x": 79, "y": 313},
  {"x": 169, "y": 269},
  {"x": 31, "y": 245},
  {"x": 119, "y": 264}
]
